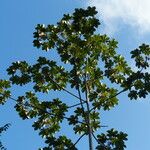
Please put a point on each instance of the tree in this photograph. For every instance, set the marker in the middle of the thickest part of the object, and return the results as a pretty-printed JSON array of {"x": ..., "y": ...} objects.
[{"x": 91, "y": 66}]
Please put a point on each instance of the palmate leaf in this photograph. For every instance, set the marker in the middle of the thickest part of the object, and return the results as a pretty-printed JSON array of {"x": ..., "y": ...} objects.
[
  {"x": 60, "y": 143},
  {"x": 20, "y": 73},
  {"x": 4, "y": 92},
  {"x": 112, "y": 140},
  {"x": 141, "y": 56},
  {"x": 44, "y": 74}
]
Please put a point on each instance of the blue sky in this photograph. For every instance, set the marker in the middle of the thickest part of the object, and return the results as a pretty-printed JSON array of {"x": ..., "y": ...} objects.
[{"x": 127, "y": 21}]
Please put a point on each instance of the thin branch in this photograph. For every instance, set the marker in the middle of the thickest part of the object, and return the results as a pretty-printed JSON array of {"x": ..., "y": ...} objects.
[
  {"x": 111, "y": 97},
  {"x": 79, "y": 139},
  {"x": 81, "y": 101},
  {"x": 96, "y": 138},
  {"x": 75, "y": 105},
  {"x": 103, "y": 126},
  {"x": 78, "y": 89},
  {"x": 67, "y": 91},
  {"x": 99, "y": 141},
  {"x": 88, "y": 114}
]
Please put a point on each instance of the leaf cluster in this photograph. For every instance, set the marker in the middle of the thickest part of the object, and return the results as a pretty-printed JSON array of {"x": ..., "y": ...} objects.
[
  {"x": 4, "y": 92},
  {"x": 112, "y": 140},
  {"x": 3, "y": 129}
]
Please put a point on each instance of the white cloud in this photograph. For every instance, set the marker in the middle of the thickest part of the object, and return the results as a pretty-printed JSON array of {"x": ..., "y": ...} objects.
[{"x": 135, "y": 13}]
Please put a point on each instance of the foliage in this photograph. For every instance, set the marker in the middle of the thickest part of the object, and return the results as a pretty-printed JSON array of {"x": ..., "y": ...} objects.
[
  {"x": 5, "y": 93},
  {"x": 112, "y": 140},
  {"x": 2, "y": 129},
  {"x": 96, "y": 71}
]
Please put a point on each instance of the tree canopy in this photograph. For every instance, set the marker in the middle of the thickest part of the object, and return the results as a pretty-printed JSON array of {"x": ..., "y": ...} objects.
[{"x": 95, "y": 70}]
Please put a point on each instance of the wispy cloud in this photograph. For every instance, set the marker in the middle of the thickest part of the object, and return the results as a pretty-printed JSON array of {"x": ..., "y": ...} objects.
[{"x": 134, "y": 13}]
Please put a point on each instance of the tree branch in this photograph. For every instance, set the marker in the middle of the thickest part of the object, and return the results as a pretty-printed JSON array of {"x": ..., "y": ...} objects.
[
  {"x": 105, "y": 147},
  {"x": 79, "y": 139},
  {"x": 78, "y": 89},
  {"x": 29, "y": 105},
  {"x": 75, "y": 105},
  {"x": 111, "y": 97},
  {"x": 88, "y": 114},
  {"x": 67, "y": 91}
]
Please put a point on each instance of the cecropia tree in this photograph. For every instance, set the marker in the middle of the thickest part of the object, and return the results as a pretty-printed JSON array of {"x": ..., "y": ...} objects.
[{"x": 91, "y": 67}]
